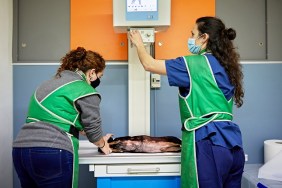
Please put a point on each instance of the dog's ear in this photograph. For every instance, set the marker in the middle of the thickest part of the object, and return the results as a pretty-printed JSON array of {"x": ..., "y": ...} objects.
[{"x": 110, "y": 140}]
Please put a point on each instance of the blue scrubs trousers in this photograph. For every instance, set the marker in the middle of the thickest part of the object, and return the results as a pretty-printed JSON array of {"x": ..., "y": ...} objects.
[
  {"x": 219, "y": 167},
  {"x": 42, "y": 167}
]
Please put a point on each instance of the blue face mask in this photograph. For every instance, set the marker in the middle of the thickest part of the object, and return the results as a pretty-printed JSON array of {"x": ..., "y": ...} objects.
[{"x": 193, "y": 48}]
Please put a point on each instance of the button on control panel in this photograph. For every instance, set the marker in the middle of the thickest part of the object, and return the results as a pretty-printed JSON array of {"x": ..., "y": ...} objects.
[{"x": 148, "y": 34}]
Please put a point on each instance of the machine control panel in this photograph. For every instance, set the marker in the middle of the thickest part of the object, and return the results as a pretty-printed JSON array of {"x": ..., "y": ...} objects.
[{"x": 148, "y": 34}]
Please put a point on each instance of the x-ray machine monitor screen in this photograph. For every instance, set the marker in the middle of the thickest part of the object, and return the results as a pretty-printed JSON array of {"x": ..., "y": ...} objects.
[{"x": 141, "y": 10}]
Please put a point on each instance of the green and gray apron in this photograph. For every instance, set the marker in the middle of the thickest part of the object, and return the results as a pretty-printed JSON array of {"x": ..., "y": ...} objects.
[
  {"x": 204, "y": 103},
  {"x": 63, "y": 113}
]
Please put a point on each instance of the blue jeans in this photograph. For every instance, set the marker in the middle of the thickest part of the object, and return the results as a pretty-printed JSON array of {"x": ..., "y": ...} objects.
[
  {"x": 43, "y": 167},
  {"x": 219, "y": 167}
]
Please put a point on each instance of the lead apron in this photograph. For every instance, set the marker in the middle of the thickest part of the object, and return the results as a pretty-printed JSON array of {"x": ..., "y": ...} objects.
[
  {"x": 63, "y": 113},
  {"x": 204, "y": 103}
]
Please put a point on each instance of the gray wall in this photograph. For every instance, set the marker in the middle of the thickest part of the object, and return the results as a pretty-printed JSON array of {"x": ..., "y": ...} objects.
[
  {"x": 245, "y": 20},
  {"x": 41, "y": 30},
  {"x": 6, "y": 95},
  {"x": 274, "y": 28},
  {"x": 258, "y": 26}
]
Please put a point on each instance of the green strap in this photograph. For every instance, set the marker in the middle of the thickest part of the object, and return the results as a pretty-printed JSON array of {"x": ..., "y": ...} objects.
[
  {"x": 189, "y": 178},
  {"x": 75, "y": 173}
]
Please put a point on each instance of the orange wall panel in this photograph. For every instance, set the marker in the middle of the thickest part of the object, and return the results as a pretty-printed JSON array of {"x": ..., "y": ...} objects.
[
  {"x": 92, "y": 28},
  {"x": 183, "y": 16}
]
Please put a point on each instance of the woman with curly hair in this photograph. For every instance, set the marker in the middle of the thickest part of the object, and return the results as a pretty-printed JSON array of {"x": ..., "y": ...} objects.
[
  {"x": 45, "y": 151},
  {"x": 209, "y": 82}
]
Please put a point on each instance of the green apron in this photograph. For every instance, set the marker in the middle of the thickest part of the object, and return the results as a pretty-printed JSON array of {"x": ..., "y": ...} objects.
[
  {"x": 204, "y": 103},
  {"x": 62, "y": 113}
]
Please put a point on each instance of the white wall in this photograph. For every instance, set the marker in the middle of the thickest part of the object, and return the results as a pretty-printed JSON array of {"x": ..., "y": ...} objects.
[{"x": 6, "y": 94}]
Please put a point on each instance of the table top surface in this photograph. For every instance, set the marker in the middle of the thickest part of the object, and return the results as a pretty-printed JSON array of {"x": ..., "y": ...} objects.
[{"x": 88, "y": 154}]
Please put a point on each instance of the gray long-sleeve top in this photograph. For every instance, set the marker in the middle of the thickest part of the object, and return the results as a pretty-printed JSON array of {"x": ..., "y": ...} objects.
[{"x": 42, "y": 134}]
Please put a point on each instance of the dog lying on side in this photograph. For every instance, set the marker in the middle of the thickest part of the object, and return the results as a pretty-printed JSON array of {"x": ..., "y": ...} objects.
[{"x": 145, "y": 144}]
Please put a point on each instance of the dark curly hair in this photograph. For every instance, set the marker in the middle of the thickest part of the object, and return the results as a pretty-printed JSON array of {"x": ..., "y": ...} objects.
[
  {"x": 221, "y": 46},
  {"x": 82, "y": 60}
]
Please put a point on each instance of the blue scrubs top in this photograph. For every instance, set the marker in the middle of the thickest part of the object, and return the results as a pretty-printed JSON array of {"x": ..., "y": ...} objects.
[{"x": 222, "y": 133}]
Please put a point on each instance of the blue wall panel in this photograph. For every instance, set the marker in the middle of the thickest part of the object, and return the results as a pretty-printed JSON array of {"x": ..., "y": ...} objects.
[
  {"x": 258, "y": 118},
  {"x": 165, "y": 117},
  {"x": 113, "y": 89}
]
